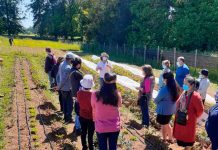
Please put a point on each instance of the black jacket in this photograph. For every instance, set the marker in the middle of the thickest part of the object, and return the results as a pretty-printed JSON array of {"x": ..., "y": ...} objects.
[
  {"x": 49, "y": 63},
  {"x": 54, "y": 71},
  {"x": 75, "y": 77}
]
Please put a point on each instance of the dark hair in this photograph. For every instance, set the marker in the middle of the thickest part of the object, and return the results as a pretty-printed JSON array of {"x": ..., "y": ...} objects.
[
  {"x": 60, "y": 60},
  {"x": 108, "y": 92},
  {"x": 148, "y": 70},
  {"x": 192, "y": 81},
  {"x": 76, "y": 61},
  {"x": 205, "y": 72},
  {"x": 48, "y": 50},
  {"x": 171, "y": 85}
]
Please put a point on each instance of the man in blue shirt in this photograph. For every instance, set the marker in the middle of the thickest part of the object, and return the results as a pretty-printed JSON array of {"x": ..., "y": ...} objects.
[{"x": 182, "y": 71}]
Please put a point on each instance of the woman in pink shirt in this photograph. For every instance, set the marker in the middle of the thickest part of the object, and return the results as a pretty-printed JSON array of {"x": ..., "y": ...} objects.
[{"x": 105, "y": 105}]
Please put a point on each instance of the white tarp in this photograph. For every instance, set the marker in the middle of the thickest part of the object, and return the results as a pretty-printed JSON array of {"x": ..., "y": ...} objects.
[
  {"x": 138, "y": 72},
  {"x": 122, "y": 80}
]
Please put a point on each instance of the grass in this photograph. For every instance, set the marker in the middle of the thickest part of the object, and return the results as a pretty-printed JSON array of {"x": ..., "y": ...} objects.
[
  {"x": 40, "y": 44},
  {"x": 6, "y": 87}
]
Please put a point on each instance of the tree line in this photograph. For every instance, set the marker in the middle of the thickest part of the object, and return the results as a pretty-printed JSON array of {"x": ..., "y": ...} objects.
[{"x": 185, "y": 24}]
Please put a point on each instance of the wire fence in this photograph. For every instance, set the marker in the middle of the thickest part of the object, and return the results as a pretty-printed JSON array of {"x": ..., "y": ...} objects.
[{"x": 154, "y": 56}]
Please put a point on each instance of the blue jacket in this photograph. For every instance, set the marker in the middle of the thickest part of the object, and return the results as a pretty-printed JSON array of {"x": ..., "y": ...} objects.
[
  {"x": 181, "y": 73},
  {"x": 165, "y": 104},
  {"x": 212, "y": 122},
  {"x": 64, "y": 83}
]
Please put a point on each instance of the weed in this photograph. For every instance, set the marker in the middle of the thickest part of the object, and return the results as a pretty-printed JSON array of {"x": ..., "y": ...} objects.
[{"x": 33, "y": 130}]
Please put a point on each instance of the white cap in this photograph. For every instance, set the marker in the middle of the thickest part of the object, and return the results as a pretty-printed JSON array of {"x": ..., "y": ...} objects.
[
  {"x": 87, "y": 81},
  {"x": 69, "y": 55}
]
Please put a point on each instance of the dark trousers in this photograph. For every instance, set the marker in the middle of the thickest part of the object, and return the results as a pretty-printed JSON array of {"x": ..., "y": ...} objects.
[
  {"x": 144, "y": 102},
  {"x": 105, "y": 139},
  {"x": 60, "y": 101},
  {"x": 87, "y": 126},
  {"x": 214, "y": 143},
  {"x": 67, "y": 105}
]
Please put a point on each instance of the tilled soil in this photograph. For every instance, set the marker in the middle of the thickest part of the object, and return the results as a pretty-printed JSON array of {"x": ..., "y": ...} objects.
[{"x": 17, "y": 133}]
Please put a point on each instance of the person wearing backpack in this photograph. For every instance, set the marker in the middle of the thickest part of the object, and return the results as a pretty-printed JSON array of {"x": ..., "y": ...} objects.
[
  {"x": 211, "y": 124},
  {"x": 189, "y": 109},
  {"x": 85, "y": 111},
  {"x": 75, "y": 77},
  {"x": 145, "y": 93},
  {"x": 50, "y": 61},
  {"x": 105, "y": 105}
]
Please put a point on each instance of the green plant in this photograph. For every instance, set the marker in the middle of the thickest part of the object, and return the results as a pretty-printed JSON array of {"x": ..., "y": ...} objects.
[{"x": 33, "y": 131}]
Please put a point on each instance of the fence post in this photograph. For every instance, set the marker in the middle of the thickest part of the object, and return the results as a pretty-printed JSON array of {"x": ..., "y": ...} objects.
[
  {"x": 158, "y": 53},
  {"x": 174, "y": 58},
  {"x": 117, "y": 48},
  {"x": 196, "y": 54},
  {"x": 124, "y": 48},
  {"x": 133, "y": 50},
  {"x": 145, "y": 49},
  {"x": 104, "y": 46}
]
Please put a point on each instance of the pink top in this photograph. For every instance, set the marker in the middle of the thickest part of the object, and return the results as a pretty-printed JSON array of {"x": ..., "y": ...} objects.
[
  {"x": 106, "y": 117},
  {"x": 147, "y": 85}
]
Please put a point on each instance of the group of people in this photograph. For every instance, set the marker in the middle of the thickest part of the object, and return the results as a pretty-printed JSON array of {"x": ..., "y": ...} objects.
[{"x": 98, "y": 110}]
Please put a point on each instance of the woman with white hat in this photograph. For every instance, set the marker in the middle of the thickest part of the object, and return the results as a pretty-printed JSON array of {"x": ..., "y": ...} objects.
[
  {"x": 85, "y": 111},
  {"x": 103, "y": 66}
]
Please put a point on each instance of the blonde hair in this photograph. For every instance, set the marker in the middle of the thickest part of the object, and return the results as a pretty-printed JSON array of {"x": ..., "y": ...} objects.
[{"x": 148, "y": 70}]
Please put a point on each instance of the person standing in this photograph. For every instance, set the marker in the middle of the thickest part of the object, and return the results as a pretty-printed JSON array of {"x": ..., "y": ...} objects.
[
  {"x": 189, "y": 109},
  {"x": 204, "y": 84},
  {"x": 166, "y": 105},
  {"x": 182, "y": 71},
  {"x": 50, "y": 61},
  {"x": 85, "y": 111},
  {"x": 145, "y": 93},
  {"x": 11, "y": 41},
  {"x": 75, "y": 77},
  {"x": 65, "y": 87},
  {"x": 105, "y": 105},
  {"x": 166, "y": 68},
  {"x": 55, "y": 75},
  {"x": 104, "y": 66},
  {"x": 211, "y": 124}
]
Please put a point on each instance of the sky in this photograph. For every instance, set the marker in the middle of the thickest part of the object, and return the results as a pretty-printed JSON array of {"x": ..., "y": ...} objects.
[{"x": 25, "y": 12}]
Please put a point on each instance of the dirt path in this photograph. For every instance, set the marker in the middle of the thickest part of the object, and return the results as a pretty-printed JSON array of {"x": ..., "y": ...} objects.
[
  {"x": 53, "y": 133},
  {"x": 17, "y": 133}
]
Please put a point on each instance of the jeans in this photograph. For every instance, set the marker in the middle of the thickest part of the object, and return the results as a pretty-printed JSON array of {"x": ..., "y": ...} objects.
[
  {"x": 101, "y": 82},
  {"x": 51, "y": 80},
  {"x": 108, "y": 139},
  {"x": 67, "y": 105},
  {"x": 145, "y": 111},
  {"x": 87, "y": 126},
  {"x": 60, "y": 101}
]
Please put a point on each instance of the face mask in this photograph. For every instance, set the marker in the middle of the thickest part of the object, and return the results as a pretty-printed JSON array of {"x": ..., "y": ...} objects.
[
  {"x": 178, "y": 64},
  {"x": 185, "y": 87},
  {"x": 164, "y": 67},
  {"x": 104, "y": 58}
]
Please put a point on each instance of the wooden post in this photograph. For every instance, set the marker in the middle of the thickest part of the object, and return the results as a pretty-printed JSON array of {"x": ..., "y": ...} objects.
[
  {"x": 145, "y": 49},
  {"x": 117, "y": 48},
  {"x": 196, "y": 55},
  {"x": 124, "y": 48},
  {"x": 104, "y": 46},
  {"x": 158, "y": 53},
  {"x": 174, "y": 58},
  {"x": 133, "y": 50}
]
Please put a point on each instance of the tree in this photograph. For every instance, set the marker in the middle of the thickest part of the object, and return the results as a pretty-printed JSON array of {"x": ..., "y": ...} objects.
[{"x": 10, "y": 17}]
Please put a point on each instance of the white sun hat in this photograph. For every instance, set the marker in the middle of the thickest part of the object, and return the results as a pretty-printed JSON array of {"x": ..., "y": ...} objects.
[{"x": 87, "y": 81}]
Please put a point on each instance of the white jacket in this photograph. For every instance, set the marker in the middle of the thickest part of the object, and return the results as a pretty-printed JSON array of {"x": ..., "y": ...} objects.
[{"x": 204, "y": 85}]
